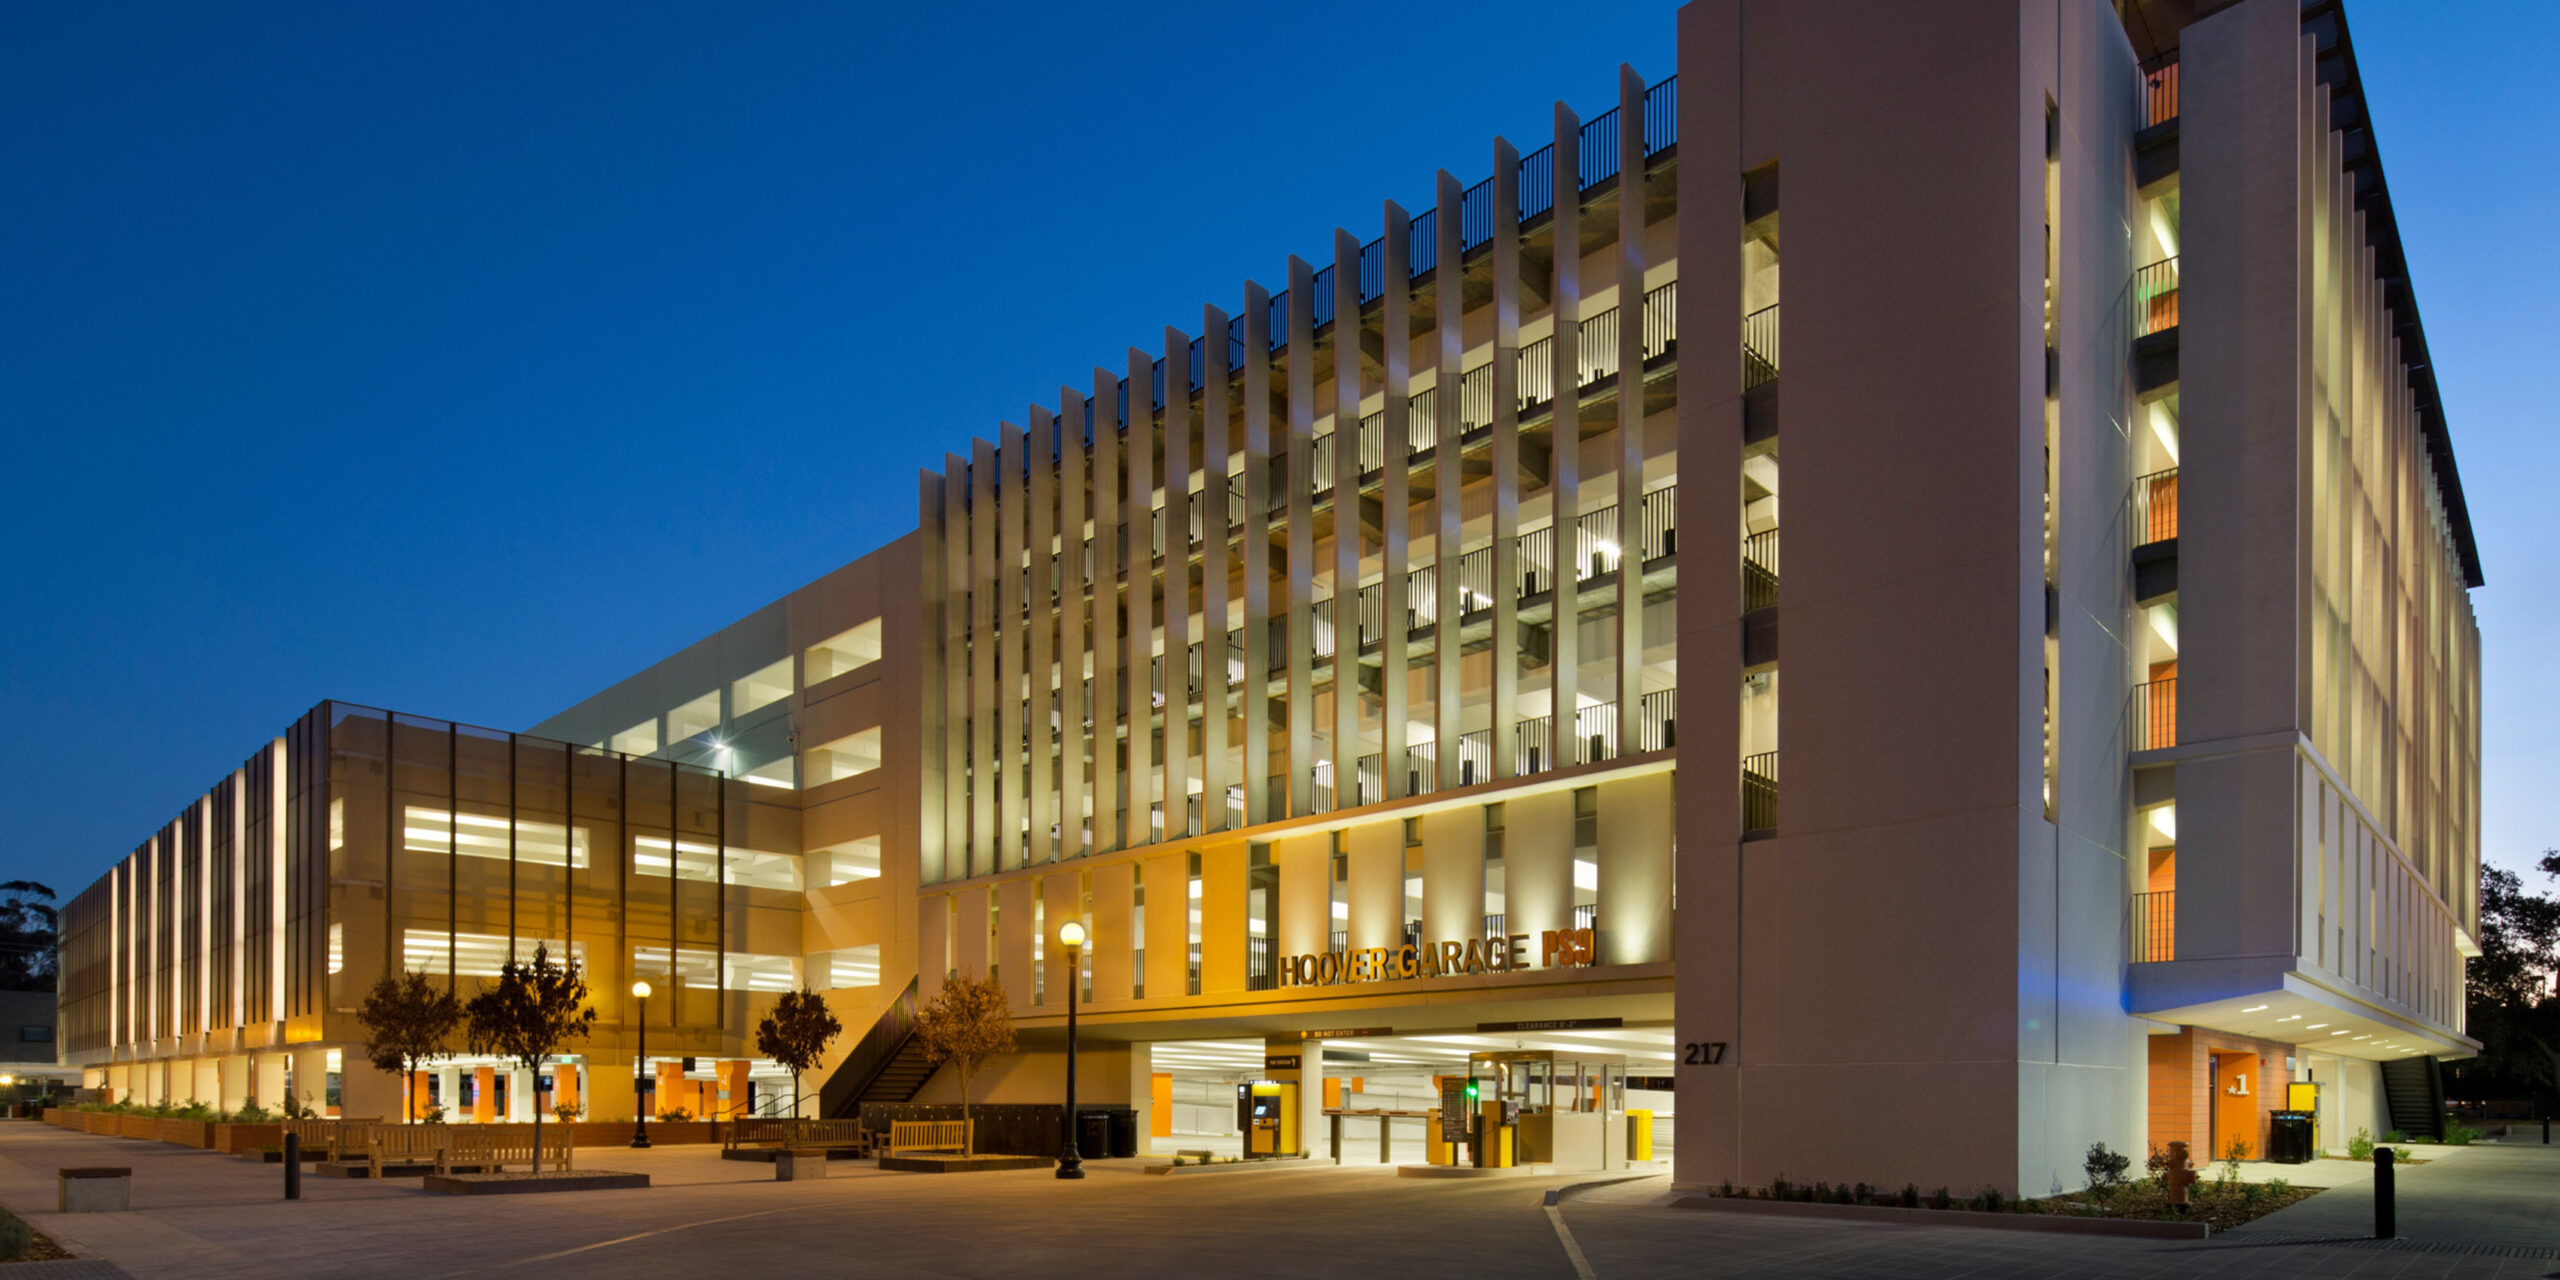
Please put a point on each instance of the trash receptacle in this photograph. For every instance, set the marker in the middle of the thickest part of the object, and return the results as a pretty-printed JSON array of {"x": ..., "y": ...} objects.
[
  {"x": 1093, "y": 1134},
  {"x": 2289, "y": 1137},
  {"x": 1124, "y": 1134}
]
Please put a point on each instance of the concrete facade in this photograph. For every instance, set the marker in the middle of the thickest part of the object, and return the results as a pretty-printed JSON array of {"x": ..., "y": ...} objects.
[{"x": 1316, "y": 655}]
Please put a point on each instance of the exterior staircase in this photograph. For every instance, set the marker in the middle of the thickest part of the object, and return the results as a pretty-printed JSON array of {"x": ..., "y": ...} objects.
[
  {"x": 887, "y": 1065},
  {"x": 2414, "y": 1088}
]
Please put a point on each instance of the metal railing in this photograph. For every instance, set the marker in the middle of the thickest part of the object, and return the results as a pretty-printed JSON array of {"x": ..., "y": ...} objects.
[
  {"x": 2155, "y": 926},
  {"x": 1422, "y": 597},
  {"x": 1373, "y": 270},
  {"x": 1475, "y": 215},
  {"x": 1422, "y": 243},
  {"x": 1537, "y": 374},
  {"x": 2160, "y": 89},
  {"x": 1658, "y": 523},
  {"x": 2155, "y": 714},
  {"x": 1421, "y": 769},
  {"x": 1595, "y": 733},
  {"x": 1759, "y": 570},
  {"x": 1538, "y": 182},
  {"x": 1373, "y": 443},
  {"x": 1760, "y": 347},
  {"x": 1368, "y": 780},
  {"x": 1597, "y": 357},
  {"x": 1658, "y": 720},
  {"x": 1661, "y": 321},
  {"x": 1534, "y": 570},
  {"x": 1475, "y": 581},
  {"x": 1261, "y": 973},
  {"x": 1320, "y": 300},
  {"x": 1320, "y": 463},
  {"x": 1529, "y": 745},
  {"x": 1320, "y": 627},
  {"x": 1599, "y": 148},
  {"x": 1662, "y": 117},
  {"x": 1373, "y": 608},
  {"x": 1338, "y": 941},
  {"x": 1320, "y": 781},
  {"x": 1760, "y": 792},
  {"x": 1475, "y": 757},
  {"x": 1587, "y": 916},
  {"x": 2154, "y": 298},
  {"x": 1495, "y": 923},
  {"x": 1475, "y": 398},
  {"x": 2155, "y": 507},
  {"x": 1596, "y": 549},
  {"x": 1422, "y": 424}
]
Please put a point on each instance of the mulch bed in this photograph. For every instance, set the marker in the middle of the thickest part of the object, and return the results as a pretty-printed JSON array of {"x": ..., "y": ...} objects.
[
  {"x": 41, "y": 1248},
  {"x": 2222, "y": 1208}
]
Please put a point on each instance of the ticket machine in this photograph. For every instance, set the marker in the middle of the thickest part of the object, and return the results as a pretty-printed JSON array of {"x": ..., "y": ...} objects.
[{"x": 1267, "y": 1114}]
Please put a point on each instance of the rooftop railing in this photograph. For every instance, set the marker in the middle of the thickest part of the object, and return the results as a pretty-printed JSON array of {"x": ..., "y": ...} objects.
[
  {"x": 2155, "y": 926},
  {"x": 2155, "y": 714},
  {"x": 1760, "y": 347},
  {"x": 2154, "y": 298},
  {"x": 2160, "y": 89},
  {"x": 2155, "y": 507}
]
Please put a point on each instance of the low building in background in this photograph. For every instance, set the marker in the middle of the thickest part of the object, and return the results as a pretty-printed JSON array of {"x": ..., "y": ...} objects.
[{"x": 1325, "y": 662}]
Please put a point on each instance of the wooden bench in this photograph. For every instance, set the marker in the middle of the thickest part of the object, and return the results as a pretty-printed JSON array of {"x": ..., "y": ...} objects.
[
  {"x": 953, "y": 1136},
  {"x": 797, "y": 1135},
  {"x": 404, "y": 1144},
  {"x": 331, "y": 1139},
  {"x": 490, "y": 1148}
]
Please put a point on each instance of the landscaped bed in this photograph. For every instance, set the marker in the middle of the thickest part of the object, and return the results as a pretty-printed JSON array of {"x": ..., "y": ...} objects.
[{"x": 22, "y": 1243}]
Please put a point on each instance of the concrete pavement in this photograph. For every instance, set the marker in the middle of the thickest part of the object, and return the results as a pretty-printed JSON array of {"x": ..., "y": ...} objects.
[{"x": 2482, "y": 1212}]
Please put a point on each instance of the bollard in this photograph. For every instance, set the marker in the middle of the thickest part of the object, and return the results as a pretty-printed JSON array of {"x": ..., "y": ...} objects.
[
  {"x": 2385, "y": 1216},
  {"x": 293, "y": 1166},
  {"x": 2546, "y": 1131}
]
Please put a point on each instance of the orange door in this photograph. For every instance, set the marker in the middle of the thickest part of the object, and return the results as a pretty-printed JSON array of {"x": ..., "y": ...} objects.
[{"x": 2235, "y": 1104}]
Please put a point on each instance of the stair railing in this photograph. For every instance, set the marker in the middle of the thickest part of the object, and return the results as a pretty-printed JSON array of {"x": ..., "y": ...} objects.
[{"x": 841, "y": 1097}]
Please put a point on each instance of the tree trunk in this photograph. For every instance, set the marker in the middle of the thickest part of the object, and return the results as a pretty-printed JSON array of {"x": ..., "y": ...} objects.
[
  {"x": 795, "y": 1095},
  {"x": 968, "y": 1136}
]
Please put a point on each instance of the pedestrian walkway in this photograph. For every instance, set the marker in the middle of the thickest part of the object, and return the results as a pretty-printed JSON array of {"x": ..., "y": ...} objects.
[{"x": 2488, "y": 1196}]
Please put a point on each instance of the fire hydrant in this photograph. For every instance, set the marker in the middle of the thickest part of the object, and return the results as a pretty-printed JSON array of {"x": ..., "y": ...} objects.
[{"x": 2179, "y": 1176}]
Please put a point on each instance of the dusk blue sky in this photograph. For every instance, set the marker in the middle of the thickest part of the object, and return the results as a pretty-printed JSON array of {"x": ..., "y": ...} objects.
[{"x": 465, "y": 358}]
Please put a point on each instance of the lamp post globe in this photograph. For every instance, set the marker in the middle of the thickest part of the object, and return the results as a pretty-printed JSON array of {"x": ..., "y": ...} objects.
[
  {"x": 1071, "y": 936},
  {"x": 639, "y": 1070}
]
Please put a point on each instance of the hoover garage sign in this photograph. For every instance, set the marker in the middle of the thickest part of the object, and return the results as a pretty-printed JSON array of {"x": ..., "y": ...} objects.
[{"x": 1496, "y": 953}]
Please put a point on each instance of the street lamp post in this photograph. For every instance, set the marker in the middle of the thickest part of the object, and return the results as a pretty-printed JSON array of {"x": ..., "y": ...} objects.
[
  {"x": 639, "y": 1071},
  {"x": 1071, "y": 935}
]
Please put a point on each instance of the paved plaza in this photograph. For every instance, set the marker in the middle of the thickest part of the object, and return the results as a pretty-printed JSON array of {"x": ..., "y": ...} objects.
[{"x": 2485, "y": 1211}]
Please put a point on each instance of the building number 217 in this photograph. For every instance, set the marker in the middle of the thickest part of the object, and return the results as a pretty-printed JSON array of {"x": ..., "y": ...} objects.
[{"x": 1703, "y": 1053}]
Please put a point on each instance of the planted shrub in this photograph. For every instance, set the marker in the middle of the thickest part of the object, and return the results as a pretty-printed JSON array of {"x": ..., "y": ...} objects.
[
  {"x": 1910, "y": 1196},
  {"x": 17, "y": 1239},
  {"x": 1780, "y": 1188},
  {"x": 2458, "y": 1134},
  {"x": 2395, "y": 1137},
  {"x": 2105, "y": 1170},
  {"x": 2360, "y": 1147},
  {"x": 1939, "y": 1199}
]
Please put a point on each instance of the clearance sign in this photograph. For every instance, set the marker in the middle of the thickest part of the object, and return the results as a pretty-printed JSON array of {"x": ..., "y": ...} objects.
[{"x": 1498, "y": 953}]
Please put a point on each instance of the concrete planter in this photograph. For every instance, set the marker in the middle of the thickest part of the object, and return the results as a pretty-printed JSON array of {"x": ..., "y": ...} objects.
[
  {"x": 232, "y": 1139},
  {"x": 187, "y": 1133}
]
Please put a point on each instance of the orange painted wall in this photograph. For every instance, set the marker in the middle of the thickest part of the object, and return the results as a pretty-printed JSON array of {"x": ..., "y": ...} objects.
[
  {"x": 484, "y": 1094},
  {"x": 1160, "y": 1088},
  {"x": 2182, "y": 1098},
  {"x": 564, "y": 1085}
]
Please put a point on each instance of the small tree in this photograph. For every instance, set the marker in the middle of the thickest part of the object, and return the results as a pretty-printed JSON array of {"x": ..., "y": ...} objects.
[
  {"x": 796, "y": 1034},
  {"x": 528, "y": 1015},
  {"x": 970, "y": 1023},
  {"x": 2106, "y": 1170},
  {"x": 407, "y": 1021}
]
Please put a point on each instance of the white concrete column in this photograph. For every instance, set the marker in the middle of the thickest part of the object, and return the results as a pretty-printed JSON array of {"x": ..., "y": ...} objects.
[
  {"x": 1216, "y": 563},
  {"x": 1301, "y": 532},
  {"x": 520, "y": 1096},
  {"x": 940, "y": 718},
  {"x": 1448, "y": 539},
  {"x": 311, "y": 1076},
  {"x": 1452, "y": 873},
  {"x": 1010, "y": 626},
  {"x": 1348, "y": 536},
  {"x": 951, "y": 860},
  {"x": 1537, "y": 861},
  {"x": 1138, "y": 451},
  {"x": 1564, "y": 435},
  {"x": 1105, "y": 488},
  {"x": 1395, "y": 499},
  {"x": 364, "y": 1091},
  {"x": 1635, "y": 869},
  {"x": 204, "y": 1081},
  {"x": 449, "y": 1092},
  {"x": 1048, "y": 598},
  {"x": 1376, "y": 886},
  {"x": 1629, "y": 269},
  {"x": 1256, "y": 542},
  {"x": 1506, "y": 455},
  {"x": 984, "y": 838},
  {"x": 267, "y": 1071},
  {"x": 1177, "y": 586},
  {"x": 1075, "y": 739},
  {"x": 231, "y": 1092}
]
